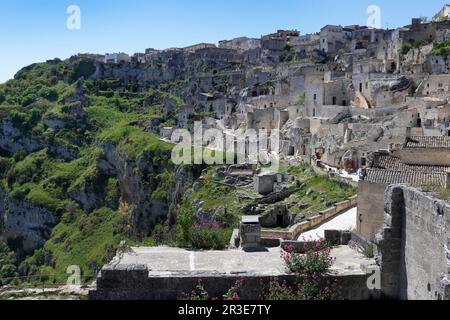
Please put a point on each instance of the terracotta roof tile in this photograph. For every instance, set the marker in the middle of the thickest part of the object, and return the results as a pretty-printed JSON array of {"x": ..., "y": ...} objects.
[
  {"x": 413, "y": 178},
  {"x": 386, "y": 161},
  {"x": 435, "y": 142}
]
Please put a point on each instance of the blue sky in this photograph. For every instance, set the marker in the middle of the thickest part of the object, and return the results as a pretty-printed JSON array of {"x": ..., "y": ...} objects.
[{"x": 35, "y": 30}]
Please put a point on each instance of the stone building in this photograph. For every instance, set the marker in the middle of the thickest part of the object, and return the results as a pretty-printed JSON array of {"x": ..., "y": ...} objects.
[
  {"x": 419, "y": 32},
  {"x": 241, "y": 44},
  {"x": 332, "y": 38},
  {"x": 413, "y": 246},
  {"x": 421, "y": 162},
  {"x": 273, "y": 45},
  {"x": 443, "y": 14},
  {"x": 199, "y": 46},
  {"x": 117, "y": 57}
]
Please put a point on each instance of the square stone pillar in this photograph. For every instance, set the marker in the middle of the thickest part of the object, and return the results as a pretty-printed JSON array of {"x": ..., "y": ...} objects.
[{"x": 250, "y": 232}]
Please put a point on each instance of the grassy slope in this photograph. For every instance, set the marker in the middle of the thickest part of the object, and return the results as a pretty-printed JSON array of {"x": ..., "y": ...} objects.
[{"x": 83, "y": 239}]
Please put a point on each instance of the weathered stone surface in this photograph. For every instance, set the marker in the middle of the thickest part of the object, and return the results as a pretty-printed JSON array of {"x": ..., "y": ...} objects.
[
  {"x": 166, "y": 273},
  {"x": 412, "y": 244},
  {"x": 24, "y": 223}
]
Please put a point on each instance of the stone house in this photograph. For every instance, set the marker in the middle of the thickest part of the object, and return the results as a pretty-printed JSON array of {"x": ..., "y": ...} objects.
[
  {"x": 277, "y": 217},
  {"x": 435, "y": 84},
  {"x": 241, "y": 44},
  {"x": 419, "y": 32},
  {"x": 273, "y": 45},
  {"x": 421, "y": 162},
  {"x": 332, "y": 38},
  {"x": 117, "y": 58},
  {"x": 443, "y": 14},
  {"x": 381, "y": 89},
  {"x": 435, "y": 65},
  {"x": 199, "y": 46}
]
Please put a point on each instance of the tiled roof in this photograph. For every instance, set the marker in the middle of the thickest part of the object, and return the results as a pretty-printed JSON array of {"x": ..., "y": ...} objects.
[
  {"x": 388, "y": 162},
  {"x": 437, "y": 142},
  {"x": 413, "y": 178}
]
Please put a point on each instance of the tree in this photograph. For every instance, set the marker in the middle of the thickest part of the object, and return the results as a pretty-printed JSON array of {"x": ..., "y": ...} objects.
[
  {"x": 185, "y": 222},
  {"x": 2, "y": 97},
  {"x": 8, "y": 269}
]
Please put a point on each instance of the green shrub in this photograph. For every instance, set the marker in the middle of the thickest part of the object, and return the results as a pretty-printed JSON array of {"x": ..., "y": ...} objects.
[
  {"x": 8, "y": 269},
  {"x": 209, "y": 236},
  {"x": 288, "y": 47},
  {"x": 369, "y": 252},
  {"x": 185, "y": 221},
  {"x": 83, "y": 69},
  {"x": 406, "y": 47},
  {"x": 442, "y": 49},
  {"x": 443, "y": 194},
  {"x": 2, "y": 97}
]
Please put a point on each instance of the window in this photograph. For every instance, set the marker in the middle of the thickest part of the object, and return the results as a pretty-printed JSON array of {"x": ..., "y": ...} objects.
[
  {"x": 363, "y": 162},
  {"x": 291, "y": 151}
]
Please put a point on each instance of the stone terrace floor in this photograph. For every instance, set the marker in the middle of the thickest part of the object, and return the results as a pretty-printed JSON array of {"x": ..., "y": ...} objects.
[{"x": 164, "y": 261}]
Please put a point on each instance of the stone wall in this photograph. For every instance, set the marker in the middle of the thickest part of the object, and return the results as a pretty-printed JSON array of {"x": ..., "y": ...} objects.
[
  {"x": 310, "y": 223},
  {"x": 370, "y": 208},
  {"x": 135, "y": 283},
  {"x": 412, "y": 245},
  {"x": 428, "y": 156}
]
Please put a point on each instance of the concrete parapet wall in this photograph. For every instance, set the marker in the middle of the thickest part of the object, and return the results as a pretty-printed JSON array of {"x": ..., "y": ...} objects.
[
  {"x": 332, "y": 237},
  {"x": 313, "y": 222},
  {"x": 135, "y": 283}
]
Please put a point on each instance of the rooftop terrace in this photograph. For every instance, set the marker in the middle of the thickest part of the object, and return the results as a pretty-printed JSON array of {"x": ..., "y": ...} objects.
[{"x": 174, "y": 262}]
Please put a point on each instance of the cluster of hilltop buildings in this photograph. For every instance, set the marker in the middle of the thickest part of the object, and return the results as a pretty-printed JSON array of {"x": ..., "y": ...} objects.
[
  {"x": 372, "y": 101},
  {"x": 336, "y": 96}
]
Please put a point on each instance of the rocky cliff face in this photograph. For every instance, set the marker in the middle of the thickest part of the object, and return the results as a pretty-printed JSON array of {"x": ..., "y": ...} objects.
[
  {"x": 12, "y": 140},
  {"x": 25, "y": 224},
  {"x": 145, "y": 211},
  {"x": 69, "y": 149}
]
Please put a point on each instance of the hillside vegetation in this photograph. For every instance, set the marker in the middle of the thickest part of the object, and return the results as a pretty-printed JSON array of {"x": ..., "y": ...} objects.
[{"x": 82, "y": 168}]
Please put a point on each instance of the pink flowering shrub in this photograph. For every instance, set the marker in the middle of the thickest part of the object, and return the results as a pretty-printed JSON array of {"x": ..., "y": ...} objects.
[
  {"x": 278, "y": 291},
  {"x": 233, "y": 293},
  {"x": 311, "y": 266},
  {"x": 200, "y": 293},
  {"x": 306, "y": 289},
  {"x": 315, "y": 262},
  {"x": 197, "y": 294}
]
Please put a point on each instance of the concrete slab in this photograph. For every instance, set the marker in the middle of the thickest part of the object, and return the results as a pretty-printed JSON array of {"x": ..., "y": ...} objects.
[{"x": 164, "y": 261}]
